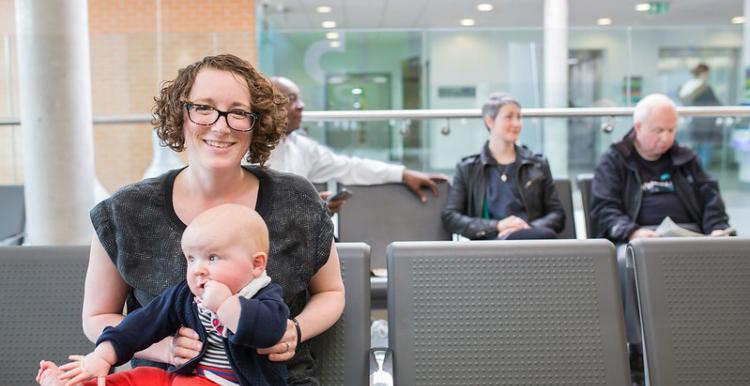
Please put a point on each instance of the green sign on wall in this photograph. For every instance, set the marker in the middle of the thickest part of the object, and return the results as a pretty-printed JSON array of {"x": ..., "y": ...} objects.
[{"x": 658, "y": 7}]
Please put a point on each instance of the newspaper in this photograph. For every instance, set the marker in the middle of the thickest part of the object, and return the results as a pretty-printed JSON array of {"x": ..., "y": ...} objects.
[{"x": 669, "y": 228}]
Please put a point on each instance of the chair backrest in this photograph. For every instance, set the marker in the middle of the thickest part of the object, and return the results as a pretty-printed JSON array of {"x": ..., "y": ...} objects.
[
  {"x": 13, "y": 217},
  {"x": 506, "y": 313},
  {"x": 41, "y": 301},
  {"x": 565, "y": 192},
  {"x": 342, "y": 351},
  {"x": 694, "y": 297},
  {"x": 584, "y": 186},
  {"x": 381, "y": 214}
]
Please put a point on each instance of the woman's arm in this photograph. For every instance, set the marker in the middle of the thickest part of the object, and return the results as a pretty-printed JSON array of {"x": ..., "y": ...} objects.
[
  {"x": 326, "y": 301},
  {"x": 104, "y": 293},
  {"x": 104, "y": 297},
  {"x": 455, "y": 212},
  {"x": 554, "y": 214},
  {"x": 321, "y": 312}
]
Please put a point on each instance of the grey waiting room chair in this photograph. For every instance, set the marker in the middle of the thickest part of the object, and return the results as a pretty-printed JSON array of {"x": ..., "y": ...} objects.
[
  {"x": 506, "y": 313},
  {"x": 584, "y": 186},
  {"x": 565, "y": 192},
  {"x": 343, "y": 351},
  {"x": 13, "y": 215},
  {"x": 381, "y": 214},
  {"x": 42, "y": 296},
  {"x": 694, "y": 296},
  {"x": 320, "y": 186}
]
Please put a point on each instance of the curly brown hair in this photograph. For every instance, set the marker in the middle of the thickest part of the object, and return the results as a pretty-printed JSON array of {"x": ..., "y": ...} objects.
[{"x": 266, "y": 101}]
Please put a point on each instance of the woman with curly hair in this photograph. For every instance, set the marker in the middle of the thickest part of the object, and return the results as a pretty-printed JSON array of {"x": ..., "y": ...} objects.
[{"x": 220, "y": 110}]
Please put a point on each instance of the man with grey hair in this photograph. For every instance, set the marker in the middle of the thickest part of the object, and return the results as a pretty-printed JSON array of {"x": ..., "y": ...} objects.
[
  {"x": 647, "y": 176},
  {"x": 641, "y": 180}
]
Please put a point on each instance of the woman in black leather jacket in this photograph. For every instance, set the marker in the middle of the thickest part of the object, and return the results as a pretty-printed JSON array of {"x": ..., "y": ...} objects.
[{"x": 506, "y": 191}]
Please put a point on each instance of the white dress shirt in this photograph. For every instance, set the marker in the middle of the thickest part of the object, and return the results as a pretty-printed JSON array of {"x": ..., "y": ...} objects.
[{"x": 304, "y": 156}]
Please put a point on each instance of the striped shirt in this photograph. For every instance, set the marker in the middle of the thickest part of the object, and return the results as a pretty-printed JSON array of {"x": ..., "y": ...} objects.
[{"x": 215, "y": 356}]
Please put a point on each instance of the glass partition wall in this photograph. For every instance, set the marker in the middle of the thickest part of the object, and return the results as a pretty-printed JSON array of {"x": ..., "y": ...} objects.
[{"x": 436, "y": 69}]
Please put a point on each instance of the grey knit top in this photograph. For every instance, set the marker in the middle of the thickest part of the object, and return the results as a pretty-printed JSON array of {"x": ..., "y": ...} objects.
[{"x": 141, "y": 232}]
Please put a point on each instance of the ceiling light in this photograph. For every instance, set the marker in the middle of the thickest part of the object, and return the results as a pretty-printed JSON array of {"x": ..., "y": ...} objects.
[
  {"x": 604, "y": 21},
  {"x": 467, "y": 22},
  {"x": 328, "y": 24},
  {"x": 323, "y": 9},
  {"x": 357, "y": 91},
  {"x": 484, "y": 7},
  {"x": 334, "y": 44},
  {"x": 738, "y": 20},
  {"x": 332, "y": 35},
  {"x": 642, "y": 7}
]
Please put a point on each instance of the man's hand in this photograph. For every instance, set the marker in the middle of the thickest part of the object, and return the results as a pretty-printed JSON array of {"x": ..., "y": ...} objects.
[
  {"x": 722, "y": 232},
  {"x": 214, "y": 294},
  {"x": 415, "y": 181},
  {"x": 333, "y": 206},
  {"x": 642, "y": 233}
]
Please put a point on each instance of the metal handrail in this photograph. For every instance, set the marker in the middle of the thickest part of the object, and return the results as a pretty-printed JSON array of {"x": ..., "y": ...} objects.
[{"x": 379, "y": 115}]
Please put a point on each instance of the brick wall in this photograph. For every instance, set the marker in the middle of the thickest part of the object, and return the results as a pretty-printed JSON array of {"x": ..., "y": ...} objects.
[{"x": 125, "y": 73}]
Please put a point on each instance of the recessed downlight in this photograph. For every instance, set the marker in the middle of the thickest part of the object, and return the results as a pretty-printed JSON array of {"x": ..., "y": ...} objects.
[
  {"x": 334, "y": 44},
  {"x": 485, "y": 7},
  {"x": 642, "y": 7},
  {"x": 604, "y": 21},
  {"x": 738, "y": 20},
  {"x": 332, "y": 35},
  {"x": 323, "y": 9},
  {"x": 467, "y": 22},
  {"x": 328, "y": 24}
]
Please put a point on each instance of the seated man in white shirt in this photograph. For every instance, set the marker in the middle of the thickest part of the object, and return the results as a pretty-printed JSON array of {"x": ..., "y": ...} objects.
[{"x": 304, "y": 156}]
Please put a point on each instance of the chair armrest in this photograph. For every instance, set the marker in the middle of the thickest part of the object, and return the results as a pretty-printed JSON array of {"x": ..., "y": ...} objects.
[{"x": 16, "y": 239}]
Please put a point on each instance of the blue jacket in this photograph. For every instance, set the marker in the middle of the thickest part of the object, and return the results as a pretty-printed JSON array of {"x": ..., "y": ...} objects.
[{"x": 263, "y": 321}]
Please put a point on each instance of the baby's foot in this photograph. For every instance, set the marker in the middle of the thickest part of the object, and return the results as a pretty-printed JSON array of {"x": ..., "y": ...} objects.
[{"x": 48, "y": 374}]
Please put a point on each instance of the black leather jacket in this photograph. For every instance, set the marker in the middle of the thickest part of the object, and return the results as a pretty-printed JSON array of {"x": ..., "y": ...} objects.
[
  {"x": 463, "y": 207},
  {"x": 616, "y": 191}
]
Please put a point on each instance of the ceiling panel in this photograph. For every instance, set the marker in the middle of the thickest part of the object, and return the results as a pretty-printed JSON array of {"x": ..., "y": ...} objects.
[{"x": 441, "y": 14}]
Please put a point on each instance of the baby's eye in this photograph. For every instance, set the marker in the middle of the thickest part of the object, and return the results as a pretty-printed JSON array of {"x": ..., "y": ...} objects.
[
  {"x": 213, "y": 258},
  {"x": 190, "y": 259}
]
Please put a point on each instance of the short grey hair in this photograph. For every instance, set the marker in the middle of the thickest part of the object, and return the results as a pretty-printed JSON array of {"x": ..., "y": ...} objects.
[
  {"x": 645, "y": 105},
  {"x": 495, "y": 102}
]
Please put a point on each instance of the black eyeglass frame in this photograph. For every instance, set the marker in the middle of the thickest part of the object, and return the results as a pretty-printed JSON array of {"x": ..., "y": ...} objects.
[{"x": 253, "y": 116}]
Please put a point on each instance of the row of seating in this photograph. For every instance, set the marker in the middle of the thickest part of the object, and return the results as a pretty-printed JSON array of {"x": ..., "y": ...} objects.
[
  {"x": 391, "y": 207},
  {"x": 381, "y": 214},
  {"x": 480, "y": 313}
]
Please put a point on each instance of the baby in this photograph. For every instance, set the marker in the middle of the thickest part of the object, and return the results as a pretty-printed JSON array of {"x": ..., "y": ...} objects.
[{"x": 226, "y": 297}]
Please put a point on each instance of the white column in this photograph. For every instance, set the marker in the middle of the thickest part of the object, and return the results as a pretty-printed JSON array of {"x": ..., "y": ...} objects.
[
  {"x": 556, "y": 83},
  {"x": 746, "y": 51},
  {"x": 55, "y": 94},
  {"x": 744, "y": 156}
]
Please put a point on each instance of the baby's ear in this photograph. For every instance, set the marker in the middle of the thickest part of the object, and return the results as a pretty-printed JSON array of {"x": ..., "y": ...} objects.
[{"x": 259, "y": 260}]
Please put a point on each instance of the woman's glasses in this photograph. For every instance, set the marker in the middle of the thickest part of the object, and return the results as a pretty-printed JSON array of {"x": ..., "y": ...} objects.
[{"x": 205, "y": 115}]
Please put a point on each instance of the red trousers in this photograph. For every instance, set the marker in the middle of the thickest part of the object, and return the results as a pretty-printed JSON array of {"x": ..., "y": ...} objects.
[{"x": 151, "y": 376}]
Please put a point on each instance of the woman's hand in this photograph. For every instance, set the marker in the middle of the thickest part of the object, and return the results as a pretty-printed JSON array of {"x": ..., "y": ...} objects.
[
  {"x": 185, "y": 346},
  {"x": 286, "y": 348},
  {"x": 511, "y": 224}
]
